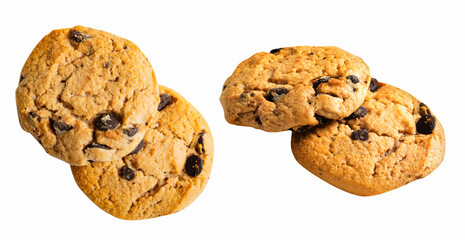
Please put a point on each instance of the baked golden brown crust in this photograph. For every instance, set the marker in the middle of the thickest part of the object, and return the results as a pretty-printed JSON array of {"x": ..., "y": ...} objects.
[
  {"x": 295, "y": 86},
  {"x": 164, "y": 176},
  {"x": 80, "y": 91},
  {"x": 385, "y": 147}
]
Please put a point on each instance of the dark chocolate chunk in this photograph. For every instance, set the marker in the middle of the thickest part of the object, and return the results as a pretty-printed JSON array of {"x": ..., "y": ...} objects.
[
  {"x": 374, "y": 85},
  {"x": 130, "y": 132},
  {"x": 301, "y": 129},
  {"x": 426, "y": 124},
  {"x": 353, "y": 78},
  {"x": 21, "y": 78},
  {"x": 59, "y": 127},
  {"x": 194, "y": 165},
  {"x": 33, "y": 115},
  {"x": 97, "y": 145},
  {"x": 78, "y": 36},
  {"x": 321, "y": 120},
  {"x": 244, "y": 94},
  {"x": 276, "y": 50},
  {"x": 165, "y": 100},
  {"x": 424, "y": 110},
  {"x": 138, "y": 147},
  {"x": 276, "y": 93},
  {"x": 91, "y": 161},
  {"x": 360, "y": 112},
  {"x": 107, "y": 121},
  {"x": 127, "y": 173},
  {"x": 200, "y": 147},
  {"x": 320, "y": 81},
  {"x": 360, "y": 134},
  {"x": 106, "y": 65},
  {"x": 257, "y": 119}
]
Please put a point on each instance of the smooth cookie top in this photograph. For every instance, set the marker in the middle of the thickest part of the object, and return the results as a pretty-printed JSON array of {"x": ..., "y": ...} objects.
[
  {"x": 86, "y": 94},
  {"x": 295, "y": 86},
  {"x": 163, "y": 175},
  {"x": 391, "y": 140}
]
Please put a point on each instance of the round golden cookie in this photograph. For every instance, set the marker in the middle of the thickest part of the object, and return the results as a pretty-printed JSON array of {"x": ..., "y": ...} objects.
[
  {"x": 294, "y": 86},
  {"x": 391, "y": 140},
  {"x": 168, "y": 170},
  {"x": 86, "y": 94}
]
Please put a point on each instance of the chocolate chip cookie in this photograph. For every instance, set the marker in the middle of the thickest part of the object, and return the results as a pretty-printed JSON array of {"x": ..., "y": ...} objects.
[
  {"x": 164, "y": 174},
  {"x": 295, "y": 86},
  {"x": 87, "y": 95},
  {"x": 391, "y": 140}
]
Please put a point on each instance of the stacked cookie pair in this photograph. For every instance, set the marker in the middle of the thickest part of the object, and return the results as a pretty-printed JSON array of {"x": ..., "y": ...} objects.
[
  {"x": 358, "y": 134},
  {"x": 136, "y": 149}
]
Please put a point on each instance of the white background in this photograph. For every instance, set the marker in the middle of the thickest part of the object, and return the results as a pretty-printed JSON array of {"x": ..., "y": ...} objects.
[{"x": 256, "y": 190}]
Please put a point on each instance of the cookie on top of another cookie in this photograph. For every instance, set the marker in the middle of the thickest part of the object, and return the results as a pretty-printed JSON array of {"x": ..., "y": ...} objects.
[
  {"x": 91, "y": 99},
  {"x": 360, "y": 135}
]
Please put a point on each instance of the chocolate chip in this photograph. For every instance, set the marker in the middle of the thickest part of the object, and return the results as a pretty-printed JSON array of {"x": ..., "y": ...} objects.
[
  {"x": 320, "y": 81},
  {"x": 138, "y": 147},
  {"x": 321, "y": 120},
  {"x": 426, "y": 124},
  {"x": 301, "y": 129},
  {"x": 97, "y": 145},
  {"x": 200, "y": 147},
  {"x": 78, "y": 36},
  {"x": 245, "y": 93},
  {"x": 21, "y": 78},
  {"x": 360, "y": 134},
  {"x": 353, "y": 79},
  {"x": 130, "y": 132},
  {"x": 106, "y": 65},
  {"x": 275, "y": 93},
  {"x": 424, "y": 110},
  {"x": 165, "y": 100},
  {"x": 257, "y": 119},
  {"x": 107, "y": 121},
  {"x": 360, "y": 112},
  {"x": 374, "y": 85},
  {"x": 276, "y": 50},
  {"x": 224, "y": 87},
  {"x": 59, "y": 127},
  {"x": 194, "y": 165},
  {"x": 127, "y": 173},
  {"x": 33, "y": 115},
  {"x": 91, "y": 161}
]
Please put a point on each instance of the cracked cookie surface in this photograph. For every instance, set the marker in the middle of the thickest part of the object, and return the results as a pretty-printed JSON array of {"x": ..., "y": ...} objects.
[
  {"x": 295, "y": 86},
  {"x": 165, "y": 175},
  {"x": 86, "y": 95},
  {"x": 383, "y": 147}
]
